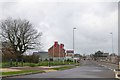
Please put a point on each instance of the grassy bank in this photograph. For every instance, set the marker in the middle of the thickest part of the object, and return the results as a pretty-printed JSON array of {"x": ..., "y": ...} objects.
[
  {"x": 64, "y": 68},
  {"x": 21, "y": 72},
  {"x": 54, "y": 63},
  {"x": 43, "y": 63}
]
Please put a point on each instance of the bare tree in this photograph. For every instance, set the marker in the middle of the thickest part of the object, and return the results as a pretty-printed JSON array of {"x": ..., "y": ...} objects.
[{"x": 20, "y": 34}]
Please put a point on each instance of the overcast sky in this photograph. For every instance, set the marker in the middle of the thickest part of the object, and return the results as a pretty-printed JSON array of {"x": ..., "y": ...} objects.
[{"x": 94, "y": 22}]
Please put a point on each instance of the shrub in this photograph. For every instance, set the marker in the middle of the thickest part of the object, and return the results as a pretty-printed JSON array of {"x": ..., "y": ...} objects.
[
  {"x": 31, "y": 58},
  {"x": 32, "y": 65}
]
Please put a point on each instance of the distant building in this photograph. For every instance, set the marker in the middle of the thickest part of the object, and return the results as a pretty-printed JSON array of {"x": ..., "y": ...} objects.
[
  {"x": 105, "y": 57},
  {"x": 77, "y": 57},
  {"x": 102, "y": 57},
  {"x": 69, "y": 54},
  {"x": 42, "y": 55},
  {"x": 113, "y": 58},
  {"x": 105, "y": 54},
  {"x": 57, "y": 51},
  {"x": 88, "y": 57}
]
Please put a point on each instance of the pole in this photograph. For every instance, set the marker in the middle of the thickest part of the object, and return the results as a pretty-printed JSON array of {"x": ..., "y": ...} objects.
[
  {"x": 112, "y": 44},
  {"x": 59, "y": 53},
  {"x": 73, "y": 43},
  {"x": 49, "y": 61},
  {"x": 113, "y": 50},
  {"x": 53, "y": 53},
  {"x": 73, "y": 40},
  {"x": 63, "y": 56}
]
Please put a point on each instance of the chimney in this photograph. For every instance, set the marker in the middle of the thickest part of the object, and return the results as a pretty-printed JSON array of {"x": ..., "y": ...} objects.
[
  {"x": 55, "y": 43},
  {"x": 61, "y": 45}
]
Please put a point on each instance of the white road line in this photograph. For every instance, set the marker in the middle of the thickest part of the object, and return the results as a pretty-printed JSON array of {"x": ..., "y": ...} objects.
[{"x": 111, "y": 69}]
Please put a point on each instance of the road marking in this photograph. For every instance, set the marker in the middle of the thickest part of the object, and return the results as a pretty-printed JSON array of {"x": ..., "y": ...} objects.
[{"x": 111, "y": 69}]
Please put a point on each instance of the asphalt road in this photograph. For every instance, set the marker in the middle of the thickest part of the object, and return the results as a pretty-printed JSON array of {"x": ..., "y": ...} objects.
[{"x": 88, "y": 69}]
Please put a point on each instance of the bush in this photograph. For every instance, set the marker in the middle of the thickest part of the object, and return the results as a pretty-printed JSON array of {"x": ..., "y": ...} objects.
[
  {"x": 31, "y": 58},
  {"x": 5, "y": 65},
  {"x": 7, "y": 56},
  {"x": 32, "y": 65}
]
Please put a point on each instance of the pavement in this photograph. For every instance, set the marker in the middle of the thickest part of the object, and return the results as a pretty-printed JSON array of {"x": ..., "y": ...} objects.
[
  {"x": 45, "y": 68},
  {"x": 8, "y": 70},
  {"x": 88, "y": 69},
  {"x": 108, "y": 65}
]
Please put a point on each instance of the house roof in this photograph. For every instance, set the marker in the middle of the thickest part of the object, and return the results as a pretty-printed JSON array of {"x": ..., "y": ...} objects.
[
  {"x": 69, "y": 51},
  {"x": 41, "y": 54}
]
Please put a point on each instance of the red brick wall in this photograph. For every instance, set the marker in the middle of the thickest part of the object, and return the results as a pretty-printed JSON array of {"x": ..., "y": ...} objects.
[{"x": 54, "y": 52}]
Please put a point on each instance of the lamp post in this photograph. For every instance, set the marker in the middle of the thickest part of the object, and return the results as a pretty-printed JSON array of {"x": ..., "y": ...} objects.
[
  {"x": 73, "y": 43},
  {"x": 112, "y": 42},
  {"x": 113, "y": 50}
]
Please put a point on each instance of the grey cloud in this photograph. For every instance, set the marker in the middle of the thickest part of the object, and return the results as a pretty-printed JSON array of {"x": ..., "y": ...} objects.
[{"x": 94, "y": 22}]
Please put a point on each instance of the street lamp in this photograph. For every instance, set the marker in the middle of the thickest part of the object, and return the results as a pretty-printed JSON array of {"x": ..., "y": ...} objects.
[
  {"x": 113, "y": 50},
  {"x": 73, "y": 42},
  {"x": 112, "y": 42}
]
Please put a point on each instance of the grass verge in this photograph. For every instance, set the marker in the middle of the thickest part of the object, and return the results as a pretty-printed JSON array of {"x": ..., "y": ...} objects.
[
  {"x": 77, "y": 64},
  {"x": 63, "y": 68},
  {"x": 43, "y": 63},
  {"x": 21, "y": 72}
]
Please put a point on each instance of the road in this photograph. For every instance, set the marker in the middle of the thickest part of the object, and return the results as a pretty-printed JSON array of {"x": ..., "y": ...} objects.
[
  {"x": 88, "y": 69},
  {"x": 108, "y": 65}
]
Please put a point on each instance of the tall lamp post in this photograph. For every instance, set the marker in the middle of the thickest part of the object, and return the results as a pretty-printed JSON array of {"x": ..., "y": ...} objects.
[
  {"x": 112, "y": 42},
  {"x": 73, "y": 43},
  {"x": 113, "y": 50}
]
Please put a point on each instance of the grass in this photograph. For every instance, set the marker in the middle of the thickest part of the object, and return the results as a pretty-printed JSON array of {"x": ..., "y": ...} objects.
[
  {"x": 7, "y": 64},
  {"x": 55, "y": 63},
  {"x": 43, "y": 63},
  {"x": 4, "y": 64},
  {"x": 63, "y": 68},
  {"x": 21, "y": 72},
  {"x": 77, "y": 64}
]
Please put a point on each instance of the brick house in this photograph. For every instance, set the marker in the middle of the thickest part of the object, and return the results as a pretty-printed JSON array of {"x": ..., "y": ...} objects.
[
  {"x": 57, "y": 51},
  {"x": 69, "y": 54}
]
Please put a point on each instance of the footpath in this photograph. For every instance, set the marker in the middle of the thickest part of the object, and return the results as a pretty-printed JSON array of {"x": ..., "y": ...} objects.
[{"x": 110, "y": 66}]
